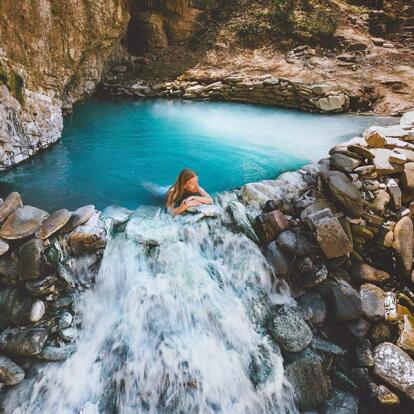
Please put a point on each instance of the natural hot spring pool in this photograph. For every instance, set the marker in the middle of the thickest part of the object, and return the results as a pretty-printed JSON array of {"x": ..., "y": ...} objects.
[{"x": 123, "y": 152}]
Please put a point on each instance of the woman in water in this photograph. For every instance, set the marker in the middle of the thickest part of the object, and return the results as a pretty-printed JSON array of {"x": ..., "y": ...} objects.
[{"x": 186, "y": 193}]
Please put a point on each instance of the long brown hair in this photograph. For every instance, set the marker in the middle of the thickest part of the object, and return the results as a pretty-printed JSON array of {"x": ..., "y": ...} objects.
[{"x": 176, "y": 191}]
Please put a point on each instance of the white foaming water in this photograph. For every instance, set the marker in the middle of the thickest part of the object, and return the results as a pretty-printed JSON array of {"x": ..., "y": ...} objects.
[{"x": 175, "y": 324}]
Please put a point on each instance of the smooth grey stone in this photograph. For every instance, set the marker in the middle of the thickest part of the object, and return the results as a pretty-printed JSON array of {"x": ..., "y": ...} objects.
[
  {"x": 27, "y": 341},
  {"x": 55, "y": 353},
  {"x": 10, "y": 373}
]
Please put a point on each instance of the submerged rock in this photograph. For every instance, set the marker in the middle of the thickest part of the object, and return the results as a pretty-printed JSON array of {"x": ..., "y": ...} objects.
[
  {"x": 55, "y": 353},
  {"x": 10, "y": 373},
  {"x": 53, "y": 223},
  {"x": 395, "y": 367},
  {"x": 22, "y": 223},
  {"x": 288, "y": 328},
  {"x": 27, "y": 342},
  {"x": 310, "y": 384}
]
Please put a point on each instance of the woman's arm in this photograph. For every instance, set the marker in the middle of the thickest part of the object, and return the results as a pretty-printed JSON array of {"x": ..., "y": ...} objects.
[
  {"x": 184, "y": 206},
  {"x": 203, "y": 198}
]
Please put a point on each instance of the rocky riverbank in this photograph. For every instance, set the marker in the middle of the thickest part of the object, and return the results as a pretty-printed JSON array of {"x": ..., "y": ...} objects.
[
  {"x": 265, "y": 89},
  {"x": 45, "y": 261},
  {"x": 339, "y": 232}
]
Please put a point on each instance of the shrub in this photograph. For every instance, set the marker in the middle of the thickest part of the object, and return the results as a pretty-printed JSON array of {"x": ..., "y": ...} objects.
[{"x": 282, "y": 12}]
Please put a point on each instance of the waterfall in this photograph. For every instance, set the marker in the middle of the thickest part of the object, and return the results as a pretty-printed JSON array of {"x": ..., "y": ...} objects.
[{"x": 175, "y": 324}]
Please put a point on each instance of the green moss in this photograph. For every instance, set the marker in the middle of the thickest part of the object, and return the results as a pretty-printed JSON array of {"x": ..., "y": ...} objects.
[
  {"x": 16, "y": 84},
  {"x": 3, "y": 75}
]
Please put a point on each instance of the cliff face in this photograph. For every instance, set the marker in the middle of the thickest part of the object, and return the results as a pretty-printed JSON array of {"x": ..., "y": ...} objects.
[{"x": 52, "y": 54}]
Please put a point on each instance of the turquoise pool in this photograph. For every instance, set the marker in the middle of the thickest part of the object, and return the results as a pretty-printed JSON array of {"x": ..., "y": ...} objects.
[{"x": 127, "y": 152}]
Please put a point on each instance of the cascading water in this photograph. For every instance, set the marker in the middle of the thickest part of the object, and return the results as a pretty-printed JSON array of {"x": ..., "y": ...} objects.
[{"x": 175, "y": 324}]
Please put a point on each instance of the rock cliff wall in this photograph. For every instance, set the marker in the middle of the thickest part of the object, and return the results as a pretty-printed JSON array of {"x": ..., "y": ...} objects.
[{"x": 52, "y": 54}]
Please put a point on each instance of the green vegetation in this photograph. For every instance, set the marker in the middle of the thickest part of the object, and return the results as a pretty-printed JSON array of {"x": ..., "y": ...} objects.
[
  {"x": 257, "y": 21},
  {"x": 14, "y": 83}
]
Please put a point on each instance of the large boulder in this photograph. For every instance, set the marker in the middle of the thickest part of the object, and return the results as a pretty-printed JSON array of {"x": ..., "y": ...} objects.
[
  {"x": 31, "y": 259},
  {"x": 26, "y": 342},
  {"x": 53, "y": 223},
  {"x": 311, "y": 385},
  {"x": 346, "y": 302},
  {"x": 289, "y": 329},
  {"x": 87, "y": 238},
  {"x": 344, "y": 192},
  {"x": 330, "y": 235},
  {"x": 22, "y": 223},
  {"x": 269, "y": 225},
  {"x": 10, "y": 373},
  {"x": 403, "y": 245},
  {"x": 372, "y": 298},
  {"x": 12, "y": 202},
  {"x": 393, "y": 366}
]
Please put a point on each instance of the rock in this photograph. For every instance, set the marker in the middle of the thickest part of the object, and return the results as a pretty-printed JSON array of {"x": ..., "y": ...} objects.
[
  {"x": 10, "y": 373},
  {"x": 310, "y": 384},
  {"x": 55, "y": 353},
  {"x": 16, "y": 307},
  {"x": 332, "y": 103},
  {"x": 372, "y": 298},
  {"x": 346, "y": 301},
  {"x": 68, "y": 334},
  {"x": 344, "y": 163},
  {"x": 42, "y": 287},
  {"x": 22, "y": 223},
  {"x": 330, "y": 235},
  {"x": 53, "y": 223},
  {"x": 395, "y": 131},
  {"x": 269, "y": 225},
  {"x": 361, "y": 150},
  {"x": 87, "y": 238},
  {"x": 407, "y": 120},
  {"x": 4, "y": 247},
  {"x": 316, "y": 206},
  {"x": 382, "y": 161},
  {"x": 31, "y": 259},
  {"x": 403, "y": 245},
  {"x": 311, "y": 275},
  {"x": 12, "y": 202},
  {"x": 65, "y": 320},
  {"x": 364, "y": 353},
  {"x": 359, "y": 328},
  {"x": 342, "y": 402},
  {"x": 407, "y": 177},
  {"x": 277, "y": 259},
  {"x": 79, "y": 217},
  {"x": 380, "y": 332},
  {"x": 119, "y": 215},
  {"x": 406, "y": 339},
  {"x": 321, "y": 89},
  {"x": 313, "y": 307},
  {"x": 28, "y": 341},
  {"x": 395, "y": 193},
  {"x": 365, "y": 169},
  {"x": 397, "y": 158},
  {"x": 393, "y": 366},
  {"x": 375, "y": 140},
  {"x": 382, "y": 199},
  {"x": 37, "y": 312},
  {"x": 294, "y": 243},
  {"x": 288, "y": 328},
  {"x": 386, "y": 397},
  {"x": 195, "y": 90},
  {"x": 377, "y": 41},
  {"x": 367, "y": 273},
  {"x": 9, "y": 272},
  {"x": 344, "y": 192},
  {"x": 327, "y": 347}
]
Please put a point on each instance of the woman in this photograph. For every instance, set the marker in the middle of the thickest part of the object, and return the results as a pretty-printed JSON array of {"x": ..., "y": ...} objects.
[{"x": 186, "y": 193}]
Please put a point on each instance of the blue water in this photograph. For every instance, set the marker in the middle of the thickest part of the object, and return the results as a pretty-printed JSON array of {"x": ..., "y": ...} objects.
[{"x": 126, "y": 153}]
